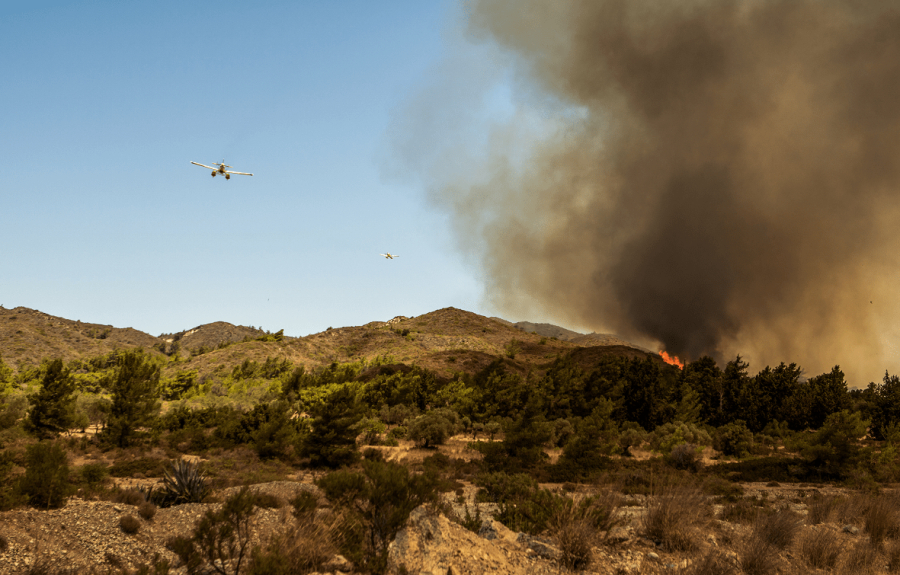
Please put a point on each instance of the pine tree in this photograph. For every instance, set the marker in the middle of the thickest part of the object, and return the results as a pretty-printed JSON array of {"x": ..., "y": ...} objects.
[
  {"x": 332, "y": 440},
  {"x": 51, "y": 410},
  {"x": 135, "y": 396}
]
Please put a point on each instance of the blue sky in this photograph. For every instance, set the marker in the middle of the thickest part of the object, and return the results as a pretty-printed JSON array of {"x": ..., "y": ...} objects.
[{"x": 105, "y": 220}]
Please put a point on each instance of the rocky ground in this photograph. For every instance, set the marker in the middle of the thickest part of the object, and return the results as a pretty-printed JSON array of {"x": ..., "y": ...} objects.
[{"x": 87, "y": 533}]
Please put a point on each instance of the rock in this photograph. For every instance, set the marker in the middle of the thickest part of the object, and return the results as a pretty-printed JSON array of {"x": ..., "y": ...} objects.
[
  {"x": 618, "y": 535},
  {"x": 492, "y": 529},
  {"x": 339, "y": 563},
  {"x": 652, "y": 556},
  {"x": 851, "y": 529},
  {"x": 542, "y": 547}
]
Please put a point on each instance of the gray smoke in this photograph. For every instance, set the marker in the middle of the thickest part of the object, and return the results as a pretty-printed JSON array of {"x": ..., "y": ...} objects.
[{"x": 714, "y": 176}]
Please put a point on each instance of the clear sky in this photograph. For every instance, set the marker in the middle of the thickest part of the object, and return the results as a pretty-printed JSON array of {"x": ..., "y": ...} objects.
[{"x": 104, "y": 219}]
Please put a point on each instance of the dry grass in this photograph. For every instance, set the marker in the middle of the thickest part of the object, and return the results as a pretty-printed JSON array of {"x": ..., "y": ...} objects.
[
  {"x": 820, "y": 548},
  {"x": 757, "y": 557},
  {"x": 673, "y": 517},
  {"x": 893, "y": 557},
  {"x": 303, "y": 547},
  {"x": 744, "y": 511},
  {"x": 778, "y": 529},
  {"x": 130, "y": 524},
  {"x": 881, "y": 519},
  {"x": 821, "y": 509},
  {"x": 860, "y": 560},
  {"x": 147, "y": 510},
  {"x": 578, "y": 524}
]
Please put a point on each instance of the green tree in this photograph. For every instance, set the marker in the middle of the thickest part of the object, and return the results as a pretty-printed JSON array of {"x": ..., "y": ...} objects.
[
  {"x": 332, "y": 440},
  {"x": 135, "y": 396},
  {"x": 431, "y": 429},
  {"x": 6, "y": 375},
  {"x": 887, "y": 404},
  {"x": 51, "y": 406},
  {"x": 46, "y": 479},
  {"x": 834, "y": 448},
  {"x": 705, "y": 377},
  {"x": 380, "y": 499}
]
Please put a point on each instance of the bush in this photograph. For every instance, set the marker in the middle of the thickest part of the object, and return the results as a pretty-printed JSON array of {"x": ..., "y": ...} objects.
[
  {"x": 881, "y": 519},
  {"x": 685, "y": 456},
  {"x": 147, "y": 510},
  {"x": 670, "y": 435},
  {"x": 379, "y": 500},
  {"x": 713, "y": 562},
  {"x": 431, "y": 429},
  {"x": 673, "y": 516},
  {"x": 820, "y": 509},
  {"x": 304, "y": 504},
  {"x": 743, "y": 511},
  {"x": 734, "y": 439},
  {"x": 220, "y": 541},
  {"x": 523, "y": 505},
  {"x": 756, "y": 557},
  {"x": 821, "y": 548},
  {"x": 129, "y": 524},
  {"x": 46, "y": 480},
  {"x": 130, "y": 497},
  {"x": 777, "y": 529},
  {"x": 184, "y": 484},
  {"x": 576, "y": 526},
  {"x": 94, "y": 473},
  {"x": 267, "y": 500},
  {"x": 861, "y": 559}
]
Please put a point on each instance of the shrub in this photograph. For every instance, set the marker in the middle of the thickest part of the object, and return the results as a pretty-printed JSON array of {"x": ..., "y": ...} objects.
[
  {"x": 821, "y": 548},
  {"x": 743, "y": 511},
  {"x": 893, "y": 556},
  {"x": 576, "y": 526},
  {"x": 129, "y": 524},
  {"x": 46, "y": 480},
  {"x": 304, "y": 547},
  {"x": 304, "y": 504},
  {"x": 431, "y": 429},
  {"x": 670, "y": 435},
  {"x": 147, "y": 510},
  {"x": 861, "y": 559},
  {"x": 379, "y": 500},
  {"x": 146, "y": 466},
  {"x": 722, "y": 488},
  {"x": 94, "y": 473},
  {"x": 673, "y": 516},
  {"x": 777, "y": 529},
  {"x": 756, "y": 557},
  {"x": 734, "y": 439},
  {"x": 685, "y": 456},
  {"x": 820, "y": 509},
  {"x": 4, "y": 544},
  {"x": 881, "y": 519},
  {"x": 185, "y": 484},
  {"x": 130, "y": 497},
  {"x": 220, "y": 541}
]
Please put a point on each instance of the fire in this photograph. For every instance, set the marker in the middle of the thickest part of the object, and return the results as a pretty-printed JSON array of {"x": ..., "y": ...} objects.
[{"x": 671, "y": 359}]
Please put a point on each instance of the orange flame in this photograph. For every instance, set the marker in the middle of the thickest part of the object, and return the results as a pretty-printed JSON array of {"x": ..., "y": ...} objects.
[{"x": 671, "y": 359}]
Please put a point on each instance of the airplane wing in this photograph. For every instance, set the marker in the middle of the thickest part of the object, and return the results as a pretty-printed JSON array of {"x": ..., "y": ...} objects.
[
  {"x": 238, "y": 173},
  {"x": 203, "y": 166}
]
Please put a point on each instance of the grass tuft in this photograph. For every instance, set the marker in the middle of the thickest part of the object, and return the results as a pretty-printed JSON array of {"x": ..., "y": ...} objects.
[
  {"x": 673, "y": 517},
  {"x": 821, "y": 548}
]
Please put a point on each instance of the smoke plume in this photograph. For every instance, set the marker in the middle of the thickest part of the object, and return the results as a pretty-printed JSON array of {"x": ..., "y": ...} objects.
[{"x": 714, "y": 176}]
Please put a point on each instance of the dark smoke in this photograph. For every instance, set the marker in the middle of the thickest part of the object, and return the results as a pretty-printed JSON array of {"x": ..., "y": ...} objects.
[{"x": 717, "y": 176}]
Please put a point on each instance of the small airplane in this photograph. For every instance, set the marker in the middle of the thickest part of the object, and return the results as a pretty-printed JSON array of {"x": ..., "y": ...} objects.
[
  {"x": 389, "y": 255},
  {"x": 221, "y": 169}
]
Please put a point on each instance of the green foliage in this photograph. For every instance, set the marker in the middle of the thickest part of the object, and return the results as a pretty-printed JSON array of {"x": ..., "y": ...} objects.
[
  {"x": 12, "y": 409},
  {"x": 268, "y": 337},
  {"x": 51, "y": 406},
  {"x": 833, "y": 450},
  {"x": 220, "y": 541},
  {"x": 332, "y": 440},
  {"x": 670, "y": 435},
  {"x": 174, "y": 388},
  {"x": 513, "y": 348},
  {"x": 46, "y": 480},
  {"x": 10, "y": 492},
  {"x": 94, "y": 473},
  {"x": 734, "y": 439},
  {"x": 433, "y": 428},
  {"x": 185, "y": 483},
  {"x": 887, "y": 405},
  {"x": 6, "y": 376},
  {"x": 522, "y": 504},
  {"x": 595, "y": 439},
  {"x": 380, "y": 499},
  {"x": 135, "y": 392}
]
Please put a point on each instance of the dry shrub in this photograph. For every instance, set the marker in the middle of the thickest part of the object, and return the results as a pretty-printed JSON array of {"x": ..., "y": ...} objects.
[
  {"x": 147, "y": 510},
  {"x": 673, "y": 517},
  {"x": 267, "y": 500},
  {"x": 130, "y": 524},
  {"x": 304, "y": 547},
  {"x": 4, "y": 545},
  {"x": 860, "y": 560},
  {"x": 778, "y": 529},
  {"x": 881, "y": 519},
  {"x": 745, "y": 511},
  {"x": 713, "y": 562},
  {"x": 757, "y": 557},
  {"x": 821, "y": 548},
  {"x": 129, "y": 497},
  {"x": 820, "y": 509},
  {"x": 851, "y": 509}
]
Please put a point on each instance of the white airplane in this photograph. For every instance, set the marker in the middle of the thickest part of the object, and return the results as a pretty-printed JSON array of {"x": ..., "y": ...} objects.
[
  {"x": 389, "y": 255},
  {"x": 221, "y": 169}
]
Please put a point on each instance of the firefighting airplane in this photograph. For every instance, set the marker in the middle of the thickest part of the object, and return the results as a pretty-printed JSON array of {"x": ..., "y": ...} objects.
[
  {"x": 389, "y": 255},
  {"x": 221, "y": 169}
]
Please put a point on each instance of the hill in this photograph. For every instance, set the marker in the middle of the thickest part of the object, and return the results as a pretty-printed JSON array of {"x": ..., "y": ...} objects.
[{"x": 446, "y": 341}]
